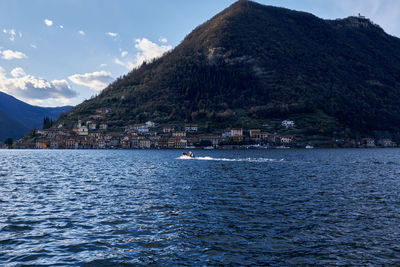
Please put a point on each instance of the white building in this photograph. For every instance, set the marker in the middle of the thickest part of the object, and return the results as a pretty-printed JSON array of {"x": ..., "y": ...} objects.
[
  {"x": 288, "y": 124},
  {"x": 168, "y": 129},
  {"x": 179, "y": 134},
  {"x": 287, "y": 139},
  {"x": 83, "y": 131},
  {"x": 92, "y": 126},
  {"x": 236, "y": 132},
  {"x": 140, "y": 128},
  {"x": 191, "y": 128},
  {"x": 150, "y": 124}
]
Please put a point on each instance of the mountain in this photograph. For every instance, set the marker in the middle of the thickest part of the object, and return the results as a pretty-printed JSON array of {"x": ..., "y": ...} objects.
[
  {"x": 19, "y": 117},
  {"x": 12, "y": 129},
  {"x": 251, "y": 63}
]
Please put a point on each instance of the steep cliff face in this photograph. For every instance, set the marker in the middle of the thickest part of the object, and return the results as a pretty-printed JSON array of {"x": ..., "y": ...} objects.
[{"x": 253, "y": 62}]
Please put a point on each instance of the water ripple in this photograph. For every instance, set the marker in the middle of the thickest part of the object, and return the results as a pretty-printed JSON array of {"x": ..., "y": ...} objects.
[{"x": 291, "y": 207}]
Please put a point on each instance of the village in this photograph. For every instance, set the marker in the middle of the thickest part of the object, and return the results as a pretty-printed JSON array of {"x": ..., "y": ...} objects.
[
  {"x": 94, "y": 133},
  {"x": 149, "y": 135}
]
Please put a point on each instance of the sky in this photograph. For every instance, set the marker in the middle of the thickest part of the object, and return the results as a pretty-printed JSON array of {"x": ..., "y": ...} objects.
[{"x": 55, "y": 53}]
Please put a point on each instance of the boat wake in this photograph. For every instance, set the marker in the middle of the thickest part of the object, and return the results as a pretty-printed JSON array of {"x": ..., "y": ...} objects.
[{"x": 233, "y": 160}]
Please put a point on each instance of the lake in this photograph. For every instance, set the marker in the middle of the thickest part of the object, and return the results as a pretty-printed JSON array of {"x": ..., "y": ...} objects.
[{"x": 137, "y": 207}]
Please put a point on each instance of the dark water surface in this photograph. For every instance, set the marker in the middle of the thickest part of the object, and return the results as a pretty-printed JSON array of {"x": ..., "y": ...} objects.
[{"x": 278, "y": 207}]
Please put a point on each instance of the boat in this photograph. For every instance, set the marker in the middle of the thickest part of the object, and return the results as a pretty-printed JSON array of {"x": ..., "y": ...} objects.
[
  {"x": 309, "y": 147},
  {"x": 208, "y": 147},
  {"x": 189, "y": 155}
]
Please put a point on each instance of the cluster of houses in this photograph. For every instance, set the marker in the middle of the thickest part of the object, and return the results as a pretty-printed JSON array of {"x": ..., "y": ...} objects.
[
  {"x": 149, "y": 135},
  {"x": 371, "y": 143}
]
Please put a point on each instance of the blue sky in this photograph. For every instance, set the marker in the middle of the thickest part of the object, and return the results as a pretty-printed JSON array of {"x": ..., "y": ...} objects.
[{"x": 61, "y": 52}]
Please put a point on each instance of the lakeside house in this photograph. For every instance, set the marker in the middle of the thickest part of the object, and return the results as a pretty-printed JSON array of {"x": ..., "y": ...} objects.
[
  {"x": 368, "y": 142},
  {"x": 259, "y": 135},
  {"x": 286, "y": 139},
  {"x": 42, "y": 144},
  {"x": 386, "y": 143},
  {"x": 237, "y": 135}
]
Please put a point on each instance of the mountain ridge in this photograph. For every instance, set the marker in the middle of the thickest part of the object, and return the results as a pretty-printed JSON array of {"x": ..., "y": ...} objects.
[{"x": 21, "y": 117}]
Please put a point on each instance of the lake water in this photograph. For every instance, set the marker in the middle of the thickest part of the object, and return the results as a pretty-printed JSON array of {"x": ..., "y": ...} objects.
[{"x": 278, "y": 207}]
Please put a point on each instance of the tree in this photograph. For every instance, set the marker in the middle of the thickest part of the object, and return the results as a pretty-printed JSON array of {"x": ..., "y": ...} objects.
[
  {"x": 47, "y": 123},
  {"x": 8, "y": 142},
  {"x": 32, "y": 134}
]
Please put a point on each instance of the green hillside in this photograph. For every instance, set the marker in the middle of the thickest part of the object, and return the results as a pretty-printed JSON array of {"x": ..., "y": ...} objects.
[{"x": 252, "y": 63}]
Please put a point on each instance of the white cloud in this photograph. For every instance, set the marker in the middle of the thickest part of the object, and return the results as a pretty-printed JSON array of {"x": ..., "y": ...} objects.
[
  {"x": 33, "y": 46},
  {"x": 34, "y": 89},
  {"x": 11, "y": 33},
  {"x": 112, "y": 34},
  {"x": 18, "y": 72},
  {"x": 163, "y": 40},
  {"x": 9, "y": 54},
  {"x": 148, "y": 50},
  {"x": 81, "y": 32},
  {"x": 96, "y": 80},
  {"x": 103, "y": 65},
  {"x": 61, "y": 26},
  {"x": 127, "y": 64},
  {"x": 48, "y": 22},
  {"x": 124, "y": 53}
]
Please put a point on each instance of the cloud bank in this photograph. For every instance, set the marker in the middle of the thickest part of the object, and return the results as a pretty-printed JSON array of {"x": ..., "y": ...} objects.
[
  {"x": 18, "y": 72},
  {"x": 96, "y": 80},
  {"x": 34, "y": 89}
]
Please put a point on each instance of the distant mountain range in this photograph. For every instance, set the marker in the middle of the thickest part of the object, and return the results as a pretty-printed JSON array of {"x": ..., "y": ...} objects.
[
  {"x": 17, "y": 118},
  {"x": 251, "y": 63}
]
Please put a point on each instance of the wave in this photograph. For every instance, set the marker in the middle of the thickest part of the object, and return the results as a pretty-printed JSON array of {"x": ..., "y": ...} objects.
[{"x": 233, "y": 160}]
